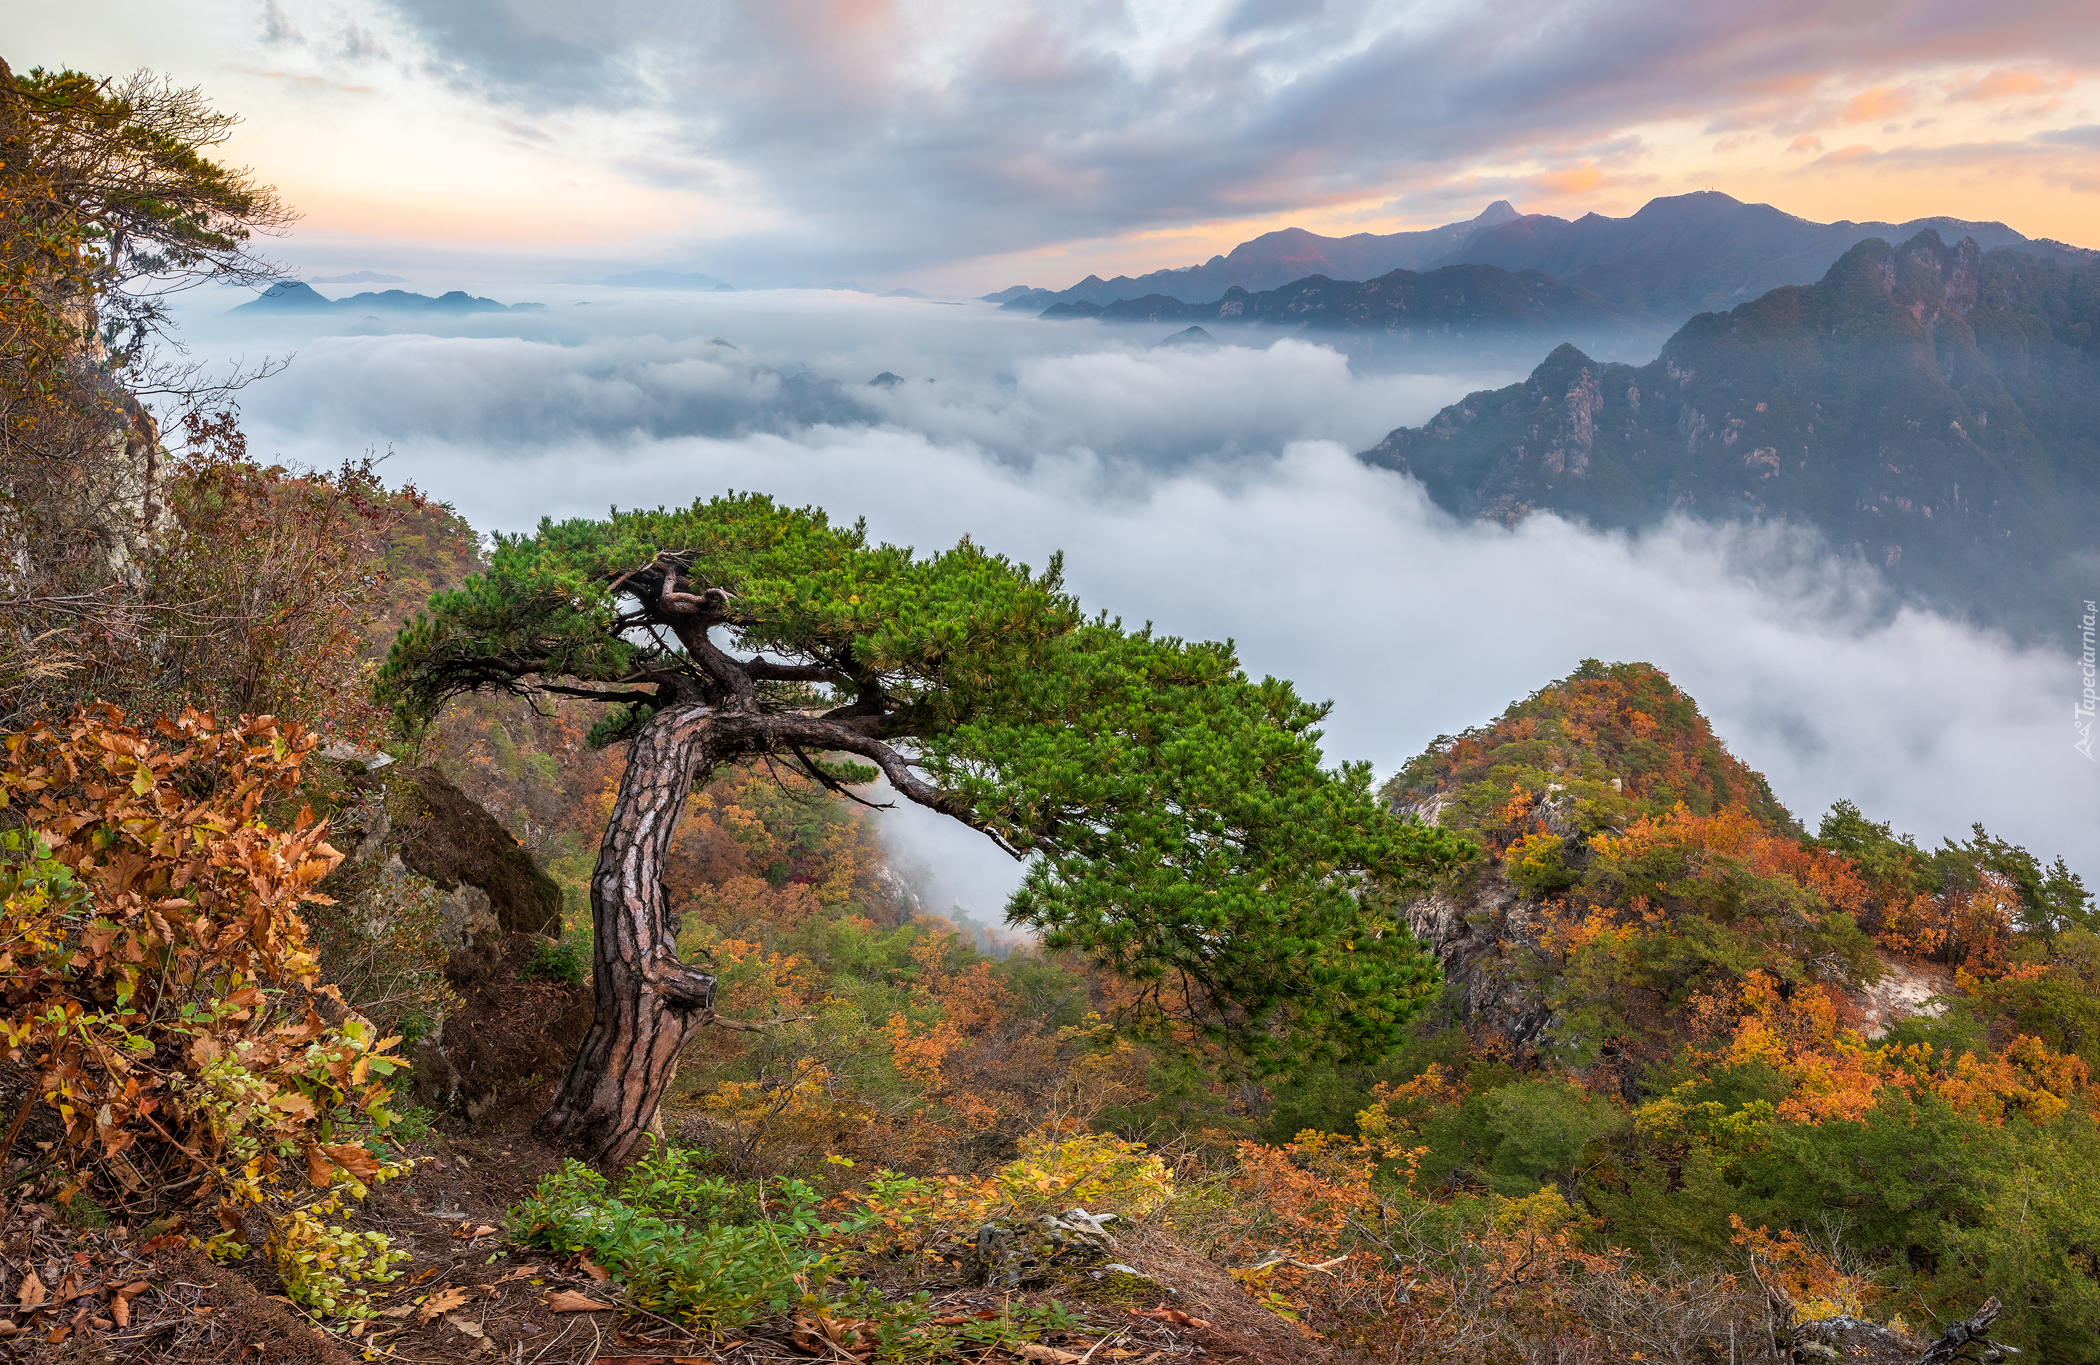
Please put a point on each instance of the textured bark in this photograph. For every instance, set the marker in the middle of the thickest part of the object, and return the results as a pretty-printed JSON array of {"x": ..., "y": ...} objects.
[{"x": 648, "y": 1002}]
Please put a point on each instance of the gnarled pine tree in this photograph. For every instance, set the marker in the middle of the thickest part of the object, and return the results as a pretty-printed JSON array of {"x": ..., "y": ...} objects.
[{"x": 1178, "y": 826}]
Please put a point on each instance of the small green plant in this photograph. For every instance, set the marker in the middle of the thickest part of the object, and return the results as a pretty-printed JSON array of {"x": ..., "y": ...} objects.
[
  {"x": 718, "y": 1274},
  {"x": 411, "y": 1126},
  {"x": 567, "y": 961},
  {"x": 668, "y": 1182},
  {"x": 320, "y": 1260},
  {"x": 905, "y": 1332}
]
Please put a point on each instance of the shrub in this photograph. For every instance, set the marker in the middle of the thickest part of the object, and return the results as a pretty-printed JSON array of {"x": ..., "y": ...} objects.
[
  {"x": 155, "y": 970},
  {"x": 1535, "y": 865},
  {"x": 720, "y": 1274},
  {"x": 320, "y": 1260},
  {"x": 1094, "y": 1171},
  {"x": 567, "y": 961}
]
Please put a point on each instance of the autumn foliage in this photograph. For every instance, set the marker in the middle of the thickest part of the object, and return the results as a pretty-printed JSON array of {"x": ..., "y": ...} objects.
[{"x": 157, "y": 980}]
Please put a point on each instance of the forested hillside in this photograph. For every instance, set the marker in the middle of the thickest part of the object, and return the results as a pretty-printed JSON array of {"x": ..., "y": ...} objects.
[{"x": 1930, "y": 408}]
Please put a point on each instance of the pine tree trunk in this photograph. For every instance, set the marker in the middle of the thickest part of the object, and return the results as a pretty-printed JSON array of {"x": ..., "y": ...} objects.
[{"x": 648, "y": 1002}]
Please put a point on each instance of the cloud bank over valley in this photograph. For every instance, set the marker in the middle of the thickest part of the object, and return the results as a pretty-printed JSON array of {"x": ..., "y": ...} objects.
[{"x": 1214, "y": 491}]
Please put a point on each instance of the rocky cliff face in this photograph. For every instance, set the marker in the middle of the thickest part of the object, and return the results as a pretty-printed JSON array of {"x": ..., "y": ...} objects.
[
  {"x": 1486, "y": 934},
  {"x": 1931, "y": 408},
  {"x": 419, "y": 842}
]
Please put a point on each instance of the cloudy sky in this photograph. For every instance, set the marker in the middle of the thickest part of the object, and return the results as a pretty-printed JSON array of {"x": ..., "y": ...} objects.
[{"x": 964, "y": 145}]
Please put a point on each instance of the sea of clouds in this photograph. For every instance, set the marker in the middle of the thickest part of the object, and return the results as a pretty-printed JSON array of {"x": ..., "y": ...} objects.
[{"x": 1213, "y": 491}]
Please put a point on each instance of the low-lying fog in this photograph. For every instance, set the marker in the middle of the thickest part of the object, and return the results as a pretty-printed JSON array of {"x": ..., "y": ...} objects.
[{"x": 1211, "y": 490}]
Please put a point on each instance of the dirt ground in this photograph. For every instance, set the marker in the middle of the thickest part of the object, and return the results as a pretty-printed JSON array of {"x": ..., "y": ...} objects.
[{"x": 119, "y": 1294}]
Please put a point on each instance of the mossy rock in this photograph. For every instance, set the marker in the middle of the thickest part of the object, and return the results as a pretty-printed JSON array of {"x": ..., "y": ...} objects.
[
  {"x": 1029, "y": 1253},
  {"x": 1118, "y": 1286}
]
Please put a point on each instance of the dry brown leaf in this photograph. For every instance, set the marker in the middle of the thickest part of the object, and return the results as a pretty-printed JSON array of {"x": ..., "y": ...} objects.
[
  {"x": 8, "y": 1328},
  {"x": 821, "y": 1336},
  {"x": 120, "y": 1310},
  {"x": 1043, "y": 1355},
  {"x": 521, "y": 1273},
  {"x": 319, "y": 1169},
  {"x": 569, "y": 1301},
  {"x": 134, "y": 1289},
  {"x": 1166, "y": 1314},
  {"x": 483, "y": 1231},
  {"x": 959, "y": 1319},
  {"x": 33, "y": 1292},
  {"x": 355, "y": 1159},
  {"x": 441, "y": 1303},
  {"x": 592, "y": 1268},
  {"x": 459, "y": 1324},
  {"x": 400, "y": 1312}
]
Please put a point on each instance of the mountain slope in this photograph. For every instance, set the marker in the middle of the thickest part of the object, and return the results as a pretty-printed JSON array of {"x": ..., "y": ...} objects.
[
  {"x": 1933, "y": 408},
  {"x": 1694, "y": 252},
  {"x": 1470, "y": 303},
  {"x": 1273, "y": 259}
]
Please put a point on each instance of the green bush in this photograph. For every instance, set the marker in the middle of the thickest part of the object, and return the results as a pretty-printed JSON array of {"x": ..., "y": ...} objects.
[
  {"x": 720, "y": 1274},
  {"x": 567, "y": 961}
]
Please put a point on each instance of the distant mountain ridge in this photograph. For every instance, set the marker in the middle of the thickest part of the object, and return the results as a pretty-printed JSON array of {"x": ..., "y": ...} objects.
[
  {"x": 1675, "y": 257},
  {"x": 1695, "y": 253},
  {"x": 1272, "y": 260},
  {"x": 294, "y": 297},
  {"x": 1478, "y": 304},
  {"x": 1934, "y": 408}
]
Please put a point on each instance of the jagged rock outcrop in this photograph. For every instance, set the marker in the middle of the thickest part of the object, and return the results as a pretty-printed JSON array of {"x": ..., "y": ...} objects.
[
  {"x": 419, "y": 844},
  {"x": 1928, "y": 406},
  {"x": 1484, "y": 932},
  {"x": 439, "y": 832}
]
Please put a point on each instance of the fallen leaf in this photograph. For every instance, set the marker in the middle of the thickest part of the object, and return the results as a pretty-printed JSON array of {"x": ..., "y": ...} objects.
[
  {"x": 355, "y": 1159},
  {"x": 959, "y": 1319},
  {"x": 1166, "y": 1314},
  {"x": 8, "y": 1328},
  {"x": 569, "y": 1301},
  {"x": 808, "y": 1338},
  {"x": 592, "y": 1268},
  {"x": 120, "y": 1310},
  {"x": 443, "y": 1302},
  {"x": 522, "y": 1272},
  {"x": 821, "y": 1335},
  {"x": 33, "y": 1292},
  {"x": 1043, "y": 1355},
  {"x": 472, "y": 1329},
  {"x": 319, "y": 1169},
  {"x": 482, "y": 1231},
  {"x": 134, "y": 1289},
  {"x": 401, "y": 1312}
]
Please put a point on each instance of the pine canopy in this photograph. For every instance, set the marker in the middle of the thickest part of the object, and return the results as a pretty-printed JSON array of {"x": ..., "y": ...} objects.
[{"x": 1178, "y": 825}]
